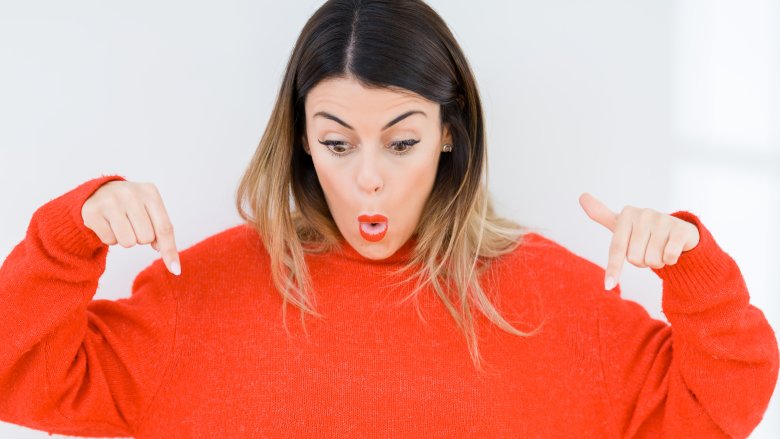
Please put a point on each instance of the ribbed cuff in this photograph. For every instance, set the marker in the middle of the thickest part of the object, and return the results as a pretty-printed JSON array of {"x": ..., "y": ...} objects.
[
  {"x": 702, "y": 276},
  {"x": 61, "y": 219}
]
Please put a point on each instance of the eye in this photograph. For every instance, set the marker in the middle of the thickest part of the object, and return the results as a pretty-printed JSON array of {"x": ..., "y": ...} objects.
[
  {"x": 337, "y": 147},
  {"x": 407, "y": 144},
  {"x": 340, "y": 151}
]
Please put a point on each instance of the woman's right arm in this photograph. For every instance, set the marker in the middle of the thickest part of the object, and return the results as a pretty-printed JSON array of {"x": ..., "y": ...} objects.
[{"x": 70, "y": 364}]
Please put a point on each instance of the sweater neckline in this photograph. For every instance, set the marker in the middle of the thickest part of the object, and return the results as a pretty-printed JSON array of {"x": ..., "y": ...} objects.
[{"x": 401, "y": 256}]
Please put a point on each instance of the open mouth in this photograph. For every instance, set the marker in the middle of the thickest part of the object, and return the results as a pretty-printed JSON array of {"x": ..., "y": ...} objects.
[{"x": 372, "y": 227}]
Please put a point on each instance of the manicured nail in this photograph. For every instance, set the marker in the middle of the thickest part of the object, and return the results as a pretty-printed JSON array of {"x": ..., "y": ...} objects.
[
  {"x": 175, "y": 268},
  {"x": 609, "y": 283}
]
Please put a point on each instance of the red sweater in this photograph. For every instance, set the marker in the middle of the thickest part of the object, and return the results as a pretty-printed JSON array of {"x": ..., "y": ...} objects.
[{"x": 205, "y": 354}]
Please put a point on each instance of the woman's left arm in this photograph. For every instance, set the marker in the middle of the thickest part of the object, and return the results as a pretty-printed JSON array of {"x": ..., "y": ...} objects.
[{"x": 711, "y": 371}]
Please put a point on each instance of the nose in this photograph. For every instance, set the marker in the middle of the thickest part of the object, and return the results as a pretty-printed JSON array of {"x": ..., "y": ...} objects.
[{"x": 369, "y": 178}]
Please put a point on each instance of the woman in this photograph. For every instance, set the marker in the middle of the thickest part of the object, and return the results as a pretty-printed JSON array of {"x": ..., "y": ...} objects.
[{"x": 390, "y": 242}]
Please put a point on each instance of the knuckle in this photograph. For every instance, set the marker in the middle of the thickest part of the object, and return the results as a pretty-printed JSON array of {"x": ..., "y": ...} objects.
[
  {"x": 670, "y": 257},
  {"x": 647, "y": 215},
  {"x": 114, "y": 201},
  {"x": 124, "y": 191},
  {"x": 102, "y": 203},
  {"x": 653, "y": 262},
  {"x": 166, "y": 229},
  {"x": 150, "y": 188},
  {"x": 145, "y": 238}
]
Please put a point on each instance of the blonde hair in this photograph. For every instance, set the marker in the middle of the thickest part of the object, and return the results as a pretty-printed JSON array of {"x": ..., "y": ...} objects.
[{"x": 459, "y": 232}]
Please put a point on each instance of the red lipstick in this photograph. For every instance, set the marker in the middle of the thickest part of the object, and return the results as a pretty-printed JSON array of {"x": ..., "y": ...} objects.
[{"x": 372, "y": 227}]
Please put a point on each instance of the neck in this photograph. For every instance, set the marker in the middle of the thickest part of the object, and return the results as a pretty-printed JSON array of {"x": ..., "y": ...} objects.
[{"x": 401, "y": 256}]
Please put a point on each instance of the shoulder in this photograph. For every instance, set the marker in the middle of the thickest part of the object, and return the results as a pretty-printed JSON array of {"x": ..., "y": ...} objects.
[
  {"x": 562, "y": 277},
  {"x": 224, "y": 275},
  {"x": 546, "y": 256},
  {"x": 237, "y": 235},
  {"x": 232, "y": 250}
]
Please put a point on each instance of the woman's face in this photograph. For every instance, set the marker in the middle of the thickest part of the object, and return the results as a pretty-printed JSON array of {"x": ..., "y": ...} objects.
[{"x": 381, "y": 160}]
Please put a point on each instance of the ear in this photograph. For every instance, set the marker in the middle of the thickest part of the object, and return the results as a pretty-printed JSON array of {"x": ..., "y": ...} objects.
[
  {"x": 446, "y": 137},
  {"x": 305, "y": 144}
]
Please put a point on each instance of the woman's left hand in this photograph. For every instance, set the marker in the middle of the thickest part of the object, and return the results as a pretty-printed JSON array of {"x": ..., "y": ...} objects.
[{"x": 646, "y": 237}]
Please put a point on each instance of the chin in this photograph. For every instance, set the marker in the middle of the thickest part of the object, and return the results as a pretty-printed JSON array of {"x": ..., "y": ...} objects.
[
  {"x": 374, "y": 251},
  {"x": 377, "y": 254}
]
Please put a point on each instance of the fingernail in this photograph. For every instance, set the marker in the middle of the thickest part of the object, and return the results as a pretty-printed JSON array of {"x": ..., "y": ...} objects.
[
  {"x": 609, "y": 283},
  {"x": 175, "y": 268}
]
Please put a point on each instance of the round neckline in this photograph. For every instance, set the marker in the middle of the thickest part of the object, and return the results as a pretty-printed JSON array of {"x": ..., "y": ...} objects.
[{"x": 402, "y": 255}]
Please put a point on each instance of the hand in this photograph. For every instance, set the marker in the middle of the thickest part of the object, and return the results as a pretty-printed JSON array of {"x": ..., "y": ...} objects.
[
  {"x": 647, "y": 237},
  {"x": 131, "y": 213}
]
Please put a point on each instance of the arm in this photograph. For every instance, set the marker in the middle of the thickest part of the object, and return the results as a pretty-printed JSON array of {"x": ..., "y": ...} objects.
[
  {"x": 710, "y": 372},
  {"x": 70, "y": 364}
]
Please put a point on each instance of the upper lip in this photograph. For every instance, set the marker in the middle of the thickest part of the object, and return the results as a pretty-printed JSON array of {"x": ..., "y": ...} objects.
[{"x": 377, "y": 218}]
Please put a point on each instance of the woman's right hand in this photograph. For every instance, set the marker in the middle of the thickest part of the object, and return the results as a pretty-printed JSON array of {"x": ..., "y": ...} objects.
[{"x": 130, "y": 213}]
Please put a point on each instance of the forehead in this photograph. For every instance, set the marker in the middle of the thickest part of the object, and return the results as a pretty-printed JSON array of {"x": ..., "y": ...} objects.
[{"x": 349, "y": 93}]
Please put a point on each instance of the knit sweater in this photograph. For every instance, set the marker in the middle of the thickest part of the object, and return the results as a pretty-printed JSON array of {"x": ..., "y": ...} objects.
[{"x": 205, "y": 354}]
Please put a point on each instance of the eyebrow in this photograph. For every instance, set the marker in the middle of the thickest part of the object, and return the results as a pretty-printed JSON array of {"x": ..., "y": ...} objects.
[{"x": 389, "y": 124}]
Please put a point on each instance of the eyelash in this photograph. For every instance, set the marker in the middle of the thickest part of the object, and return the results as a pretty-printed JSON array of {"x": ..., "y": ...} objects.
[{"x": 409, "y": 143}]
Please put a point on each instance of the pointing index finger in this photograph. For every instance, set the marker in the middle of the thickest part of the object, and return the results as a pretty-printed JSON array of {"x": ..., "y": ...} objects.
[
  {"x": 618, "y": 248},
  {"x": 163, "y": 230},
  {"x": 598, "y": 211}
]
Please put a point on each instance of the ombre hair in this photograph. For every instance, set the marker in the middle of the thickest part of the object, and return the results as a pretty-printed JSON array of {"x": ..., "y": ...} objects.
[{"x": 400, "y": 45}]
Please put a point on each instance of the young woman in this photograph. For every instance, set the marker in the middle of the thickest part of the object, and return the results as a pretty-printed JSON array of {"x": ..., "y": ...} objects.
[{"x": 422, "y": 313}]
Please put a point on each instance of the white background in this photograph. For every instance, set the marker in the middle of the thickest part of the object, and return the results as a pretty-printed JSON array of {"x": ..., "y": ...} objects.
[{"x": 673, "y": 105}]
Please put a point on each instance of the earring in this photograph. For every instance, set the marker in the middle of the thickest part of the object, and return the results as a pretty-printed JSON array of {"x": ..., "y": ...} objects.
[{"x": 447, "y": 147}]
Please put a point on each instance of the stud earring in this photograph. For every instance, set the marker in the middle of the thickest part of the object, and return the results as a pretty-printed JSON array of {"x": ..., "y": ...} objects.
[{"x": 447, "y": 147}]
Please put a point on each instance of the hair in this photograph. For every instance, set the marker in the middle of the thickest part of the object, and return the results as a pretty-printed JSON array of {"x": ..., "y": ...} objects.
[{"x": 401, "y": 45}]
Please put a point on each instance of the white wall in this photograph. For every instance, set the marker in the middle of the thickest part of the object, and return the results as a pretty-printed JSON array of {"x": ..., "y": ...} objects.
[{"x": 666, "y": 104}]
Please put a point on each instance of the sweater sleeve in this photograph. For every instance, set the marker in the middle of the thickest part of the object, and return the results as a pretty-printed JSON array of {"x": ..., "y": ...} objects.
[
  {"x": 709, "y": 372},
  {"x": 70, "y": 364}
]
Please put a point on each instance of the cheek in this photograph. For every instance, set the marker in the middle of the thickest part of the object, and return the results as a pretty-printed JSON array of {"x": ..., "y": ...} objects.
[
  {"x": 414, "y": 187},
  {"x": 332, "y": 180}
]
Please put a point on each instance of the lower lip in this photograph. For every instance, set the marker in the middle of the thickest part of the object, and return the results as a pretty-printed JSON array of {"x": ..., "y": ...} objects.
[{"x": 373, "y": 233}]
